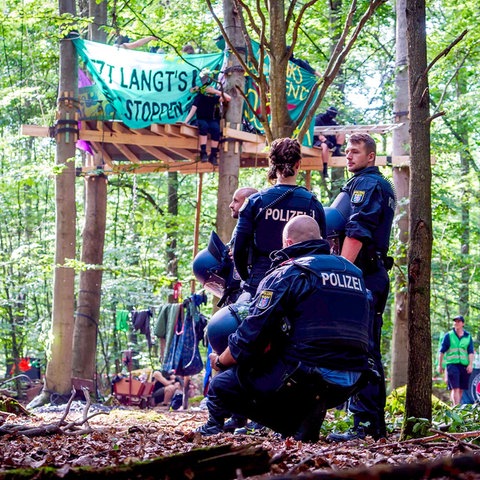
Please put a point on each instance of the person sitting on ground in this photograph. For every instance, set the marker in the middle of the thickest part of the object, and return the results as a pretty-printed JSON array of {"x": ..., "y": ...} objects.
[
  {"x": 206, "y": 108},
  {"x": 305, "y": 340},
  {"x": 165, "y": 387},
  {"x": 328, "y": 143}
]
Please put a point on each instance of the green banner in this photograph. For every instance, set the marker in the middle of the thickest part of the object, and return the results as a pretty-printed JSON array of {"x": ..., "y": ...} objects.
[
  {"x": 300, "y": 82},
  {"x": 139, "y": 88}
]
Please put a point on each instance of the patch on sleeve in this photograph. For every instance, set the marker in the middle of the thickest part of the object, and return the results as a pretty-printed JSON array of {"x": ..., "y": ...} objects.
[
  {"x": 244, "y": 205},
  {"x": 264, "y": 299},
  {"x": 358, "y": 196}
]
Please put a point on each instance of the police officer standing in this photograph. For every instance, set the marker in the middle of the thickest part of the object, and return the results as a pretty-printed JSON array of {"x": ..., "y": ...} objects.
[
  {"x": 264, "y": 214},
  {"x": 367, "y": 238},
  {"x": 302, "y": 348}
]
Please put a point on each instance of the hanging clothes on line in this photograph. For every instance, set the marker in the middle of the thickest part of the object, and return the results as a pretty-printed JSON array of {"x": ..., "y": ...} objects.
[
  {"x": 183, "y": 355},
  {"x": 141, "y": 322},
  {"x": 121, "y": 321}
]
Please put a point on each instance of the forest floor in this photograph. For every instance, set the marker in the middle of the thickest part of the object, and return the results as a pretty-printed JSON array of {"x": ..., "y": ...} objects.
[{"x": 125, "y": 435}]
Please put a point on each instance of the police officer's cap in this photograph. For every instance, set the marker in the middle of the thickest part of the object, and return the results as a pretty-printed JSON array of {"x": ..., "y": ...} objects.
[{"x": 332, "y": 111}]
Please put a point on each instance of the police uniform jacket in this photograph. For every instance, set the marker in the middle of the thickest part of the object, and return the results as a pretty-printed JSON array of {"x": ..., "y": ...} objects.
[
  {"x": 372, "y": 200},
  {"x": 311, "y": 309},
  {"x": 260, "y": 226}
]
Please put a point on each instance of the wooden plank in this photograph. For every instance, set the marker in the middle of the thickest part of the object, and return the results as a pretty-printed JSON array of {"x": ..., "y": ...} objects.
[
  {"x": 188, "y": 130},
  {"x": 34, "y": 131},
  {"x": 102, "y": 153},
  {"x": 181, "y": 152},
  {"x": 229, "y": 132},
  {"x": 157, "y": 153},
  {"x": 128, "y": 153},
  {"x": 172, "y": 130},
  {"x": 181, "y": 167},
  {"x": 349, "y": 129},
  {"x": 132, "y": 139}
]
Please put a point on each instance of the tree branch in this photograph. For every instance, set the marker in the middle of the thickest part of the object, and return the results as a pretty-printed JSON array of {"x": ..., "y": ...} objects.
[{"x": 444, "y": 52}]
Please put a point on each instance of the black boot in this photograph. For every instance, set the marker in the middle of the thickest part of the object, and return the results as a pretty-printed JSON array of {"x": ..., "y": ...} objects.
[
  {"x": 325, "y": 170},
  {"x": 337, "y": 152},
  {"x": 203, "y": 153},
  {"x": 212, "y": 427},
  {"x": 213, "y": 157}
]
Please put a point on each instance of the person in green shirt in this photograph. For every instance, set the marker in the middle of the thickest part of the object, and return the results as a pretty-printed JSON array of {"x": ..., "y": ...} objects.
[{"x": 457, "y": 353}]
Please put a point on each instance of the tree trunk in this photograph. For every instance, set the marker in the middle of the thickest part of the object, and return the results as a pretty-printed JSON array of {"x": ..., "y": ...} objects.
[
  {"x": 419, "y": 389},
  {"x": 464, "y": 289},
  {"x": 89, "y": 295},
  {"x": 401, "y": 179},
  {"x": 230, "y": 155},
  {"x": 59, "y": 367},
  {"x": 281, "y": 122}
]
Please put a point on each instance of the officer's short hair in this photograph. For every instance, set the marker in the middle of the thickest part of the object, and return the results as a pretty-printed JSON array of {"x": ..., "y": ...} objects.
[{"x": 364, "y": 138}]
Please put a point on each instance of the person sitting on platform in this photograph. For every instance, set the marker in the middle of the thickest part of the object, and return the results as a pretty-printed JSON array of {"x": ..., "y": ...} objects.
[
  {"x": 328, "y": 143},
  {"x": 305, "y": 338},
  {"x": 206, "y": 108},
  {"x": 122, "y": 41}
]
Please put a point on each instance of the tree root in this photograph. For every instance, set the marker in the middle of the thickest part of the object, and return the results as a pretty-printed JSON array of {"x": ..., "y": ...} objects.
[{"x": 61, "y": 426}]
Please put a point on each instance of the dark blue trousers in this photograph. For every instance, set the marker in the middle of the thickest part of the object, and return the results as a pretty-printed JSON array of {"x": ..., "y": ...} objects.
[
  {"x": 265, "y": 398},
  {"x": 368, "y": 405}
]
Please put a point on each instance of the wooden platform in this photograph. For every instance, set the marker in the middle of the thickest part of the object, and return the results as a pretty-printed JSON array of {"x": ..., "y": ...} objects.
[{"x": 167, "y": 147}]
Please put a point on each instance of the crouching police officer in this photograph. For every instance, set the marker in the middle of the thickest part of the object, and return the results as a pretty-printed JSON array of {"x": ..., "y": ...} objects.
[{"x": 303, "y": 343}]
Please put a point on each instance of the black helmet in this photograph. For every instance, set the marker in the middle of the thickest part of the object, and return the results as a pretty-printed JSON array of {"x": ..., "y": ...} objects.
[
  {"x": 335, "y": 222},
  {"x": 223, "y": 323},
  {"x": 213, "y": 267}
]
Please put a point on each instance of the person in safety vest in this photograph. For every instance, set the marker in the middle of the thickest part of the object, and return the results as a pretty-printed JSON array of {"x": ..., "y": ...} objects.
[
  {"x": 304, "y": 341},
  {"x": 458, "y": 353}
]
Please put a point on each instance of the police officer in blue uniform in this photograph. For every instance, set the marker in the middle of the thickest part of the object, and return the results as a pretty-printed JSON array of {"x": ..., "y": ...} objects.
[
  {"x": 367, "y": 237},
  {"x": 264, "y": 214},
  {"x": 302, "y": 348}
]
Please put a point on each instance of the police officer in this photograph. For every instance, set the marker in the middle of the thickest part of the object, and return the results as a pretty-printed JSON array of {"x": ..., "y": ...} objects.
[
  {"x": 367, "y": 237},
  {"x": 264, "y": 214},
  {"x": 303, "y": 346}
]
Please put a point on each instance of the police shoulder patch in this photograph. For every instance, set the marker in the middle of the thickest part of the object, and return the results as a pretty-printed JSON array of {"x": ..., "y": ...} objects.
[
  {"x": 264, "y": 299},
  {"x": 244, "y": 205},
  {"x": 358, "y": 196}
]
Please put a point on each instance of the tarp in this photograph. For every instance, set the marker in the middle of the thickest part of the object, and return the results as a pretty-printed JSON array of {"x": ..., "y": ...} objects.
[
  {"x": 141, "y": 88},
  {"x": 300, "y": 83}
]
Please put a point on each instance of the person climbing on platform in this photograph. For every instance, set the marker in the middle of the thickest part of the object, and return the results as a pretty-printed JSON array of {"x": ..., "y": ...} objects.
[{"x": 206, "y": 108}]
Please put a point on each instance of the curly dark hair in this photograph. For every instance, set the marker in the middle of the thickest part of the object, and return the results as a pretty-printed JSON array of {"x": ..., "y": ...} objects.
[{"x": 284, "y": 154}]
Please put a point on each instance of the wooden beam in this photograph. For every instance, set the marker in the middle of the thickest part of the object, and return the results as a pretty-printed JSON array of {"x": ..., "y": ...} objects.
[
  {"x": 157, "y": 153},
  {"x": 34, "y": 131},
  {"x": 102, "y": 153},
  {"x": 132, "y": 139},
  {"x": 128, "y": 153},
  {"x": 349, "y": 129},
  {"x": 229, "y": 132}
]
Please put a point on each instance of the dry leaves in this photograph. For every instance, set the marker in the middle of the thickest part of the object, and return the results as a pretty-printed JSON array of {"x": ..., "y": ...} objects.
[{"x": 128, "y": 435}]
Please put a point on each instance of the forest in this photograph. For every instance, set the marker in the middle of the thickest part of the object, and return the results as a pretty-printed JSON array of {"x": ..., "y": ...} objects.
[{"x": 150, "y": 232}]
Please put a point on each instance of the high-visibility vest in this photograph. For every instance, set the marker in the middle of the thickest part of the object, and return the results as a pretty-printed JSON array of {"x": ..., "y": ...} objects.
[{"x": 458, "y": 351}]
